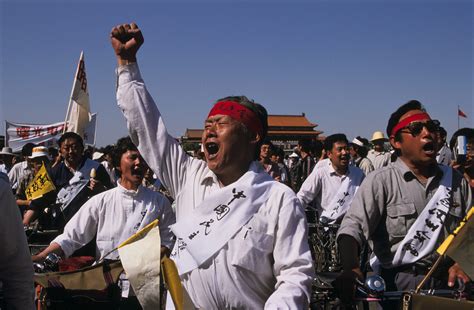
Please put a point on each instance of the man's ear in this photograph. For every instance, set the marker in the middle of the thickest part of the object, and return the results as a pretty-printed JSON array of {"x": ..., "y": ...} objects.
[{"x": 395, "y": 144}]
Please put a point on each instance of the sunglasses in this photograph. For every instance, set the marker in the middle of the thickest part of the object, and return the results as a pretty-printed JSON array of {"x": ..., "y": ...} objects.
[{"x": 415, "y": 128}]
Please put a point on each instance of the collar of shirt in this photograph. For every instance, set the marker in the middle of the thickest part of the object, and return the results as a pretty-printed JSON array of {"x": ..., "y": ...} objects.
[
  {"x": 78, "y": 168},
  {"x": 332, "y": 171},
  {"x": 129, "y": 192},
  {"x": 211, "y": 177},
  {"x": 408, "y": 175}
]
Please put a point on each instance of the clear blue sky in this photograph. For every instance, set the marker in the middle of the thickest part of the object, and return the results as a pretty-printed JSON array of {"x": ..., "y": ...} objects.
[{"x": 346, "y": 64}]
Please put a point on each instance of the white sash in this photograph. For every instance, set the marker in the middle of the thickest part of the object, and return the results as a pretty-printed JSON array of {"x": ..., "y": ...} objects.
[
  {"x": 79, "y": 180},
  {"x": 342, "y": 200},
  {"x": 217, "y": 219},
  {"x": 423, "y": 234}
]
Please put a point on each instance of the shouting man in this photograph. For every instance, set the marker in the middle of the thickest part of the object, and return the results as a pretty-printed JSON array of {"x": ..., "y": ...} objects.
[{"x": 241, "y": 236}]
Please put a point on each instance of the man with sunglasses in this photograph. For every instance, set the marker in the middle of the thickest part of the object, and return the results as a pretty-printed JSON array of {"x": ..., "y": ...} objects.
[{"x": 405, "y": 210}]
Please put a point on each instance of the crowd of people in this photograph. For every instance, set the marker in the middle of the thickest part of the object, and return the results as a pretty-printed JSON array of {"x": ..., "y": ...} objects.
[{"x": 238, "y": 227}]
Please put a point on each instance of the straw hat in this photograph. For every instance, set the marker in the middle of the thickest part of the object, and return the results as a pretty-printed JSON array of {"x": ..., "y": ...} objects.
[
  {"x": 378, "y": 135},
  {"x": 7, "y": 151},
  {"x": 39, "y": 151}
]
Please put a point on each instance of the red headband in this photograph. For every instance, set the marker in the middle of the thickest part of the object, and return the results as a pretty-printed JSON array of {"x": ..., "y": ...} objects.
[
  {"x": 239, "y": 113},
  {"x": 408, "y": 120}
]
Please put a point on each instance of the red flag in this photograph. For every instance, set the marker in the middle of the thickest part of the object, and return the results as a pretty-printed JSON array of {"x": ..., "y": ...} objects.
[{"x": 461, "y": 113}]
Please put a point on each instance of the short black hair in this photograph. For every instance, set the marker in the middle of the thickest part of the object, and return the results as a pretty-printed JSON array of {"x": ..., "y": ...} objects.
[
  {"x": 442, "y": 132},
  {"x": 330, "y": 140},
  {"x": 395, "y": 117},
  {"x": 27, "y": 149},
  {"x": 305, "y": 145},
  {"x": 70, "y": 135},
  {"x": 122, "y": 146}
]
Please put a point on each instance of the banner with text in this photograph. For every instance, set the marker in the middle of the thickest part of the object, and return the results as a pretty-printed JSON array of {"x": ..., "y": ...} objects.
[{"x": 17, "y": 135}]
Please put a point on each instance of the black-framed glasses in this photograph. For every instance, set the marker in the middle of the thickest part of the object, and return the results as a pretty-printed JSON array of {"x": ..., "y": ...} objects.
[{"x": 415, "y": 128}]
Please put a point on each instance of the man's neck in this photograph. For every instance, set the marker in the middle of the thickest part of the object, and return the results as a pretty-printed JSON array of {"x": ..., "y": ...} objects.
[
  {"x": 72, "y": 166},
  {"x": 229, "y": 178},
  {"x": 422, "y": 172},
  {"x": 129, "y": 185},
  {"x": 340, "y": 170}
]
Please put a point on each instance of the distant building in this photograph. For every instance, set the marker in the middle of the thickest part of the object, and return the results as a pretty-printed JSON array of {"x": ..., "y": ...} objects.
[{"x": 283, "y": 130}]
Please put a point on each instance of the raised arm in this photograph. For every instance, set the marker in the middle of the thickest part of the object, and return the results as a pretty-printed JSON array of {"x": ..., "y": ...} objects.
[{"x": 161, "y": 151}]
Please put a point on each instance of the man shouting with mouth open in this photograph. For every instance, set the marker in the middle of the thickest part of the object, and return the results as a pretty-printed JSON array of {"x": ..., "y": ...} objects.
[{"x": 241, "y": 236}]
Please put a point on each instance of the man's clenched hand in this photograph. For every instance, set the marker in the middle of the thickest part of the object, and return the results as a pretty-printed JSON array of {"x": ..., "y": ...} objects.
[{"x": 126, "y": 39}]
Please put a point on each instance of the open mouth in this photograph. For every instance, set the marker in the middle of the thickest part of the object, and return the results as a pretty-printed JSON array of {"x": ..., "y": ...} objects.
[
  {"x": 137, "y": 171},
  {"x": 212, "y": 149},
  {"x": 429, "y": 148}
]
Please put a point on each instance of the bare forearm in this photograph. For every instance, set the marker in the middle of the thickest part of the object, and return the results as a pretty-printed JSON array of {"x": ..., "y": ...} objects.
[{"x": 52, "y": 248}]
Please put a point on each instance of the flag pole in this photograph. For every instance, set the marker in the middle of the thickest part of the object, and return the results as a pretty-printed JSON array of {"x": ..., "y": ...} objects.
[
  {"x": 458, "y": 116},
  {"x": 72, "y": 92}
]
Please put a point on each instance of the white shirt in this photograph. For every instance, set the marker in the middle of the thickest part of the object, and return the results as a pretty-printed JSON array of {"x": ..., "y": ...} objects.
[
  {"x": 379, "y": 159},
  {"x": 323, "y": 183},
  {"x": 16, "y": 268},
  {"x": 271, "y": 266},
  {"x": 115, "y": 215},
  {"x": 17, "y": 172}
]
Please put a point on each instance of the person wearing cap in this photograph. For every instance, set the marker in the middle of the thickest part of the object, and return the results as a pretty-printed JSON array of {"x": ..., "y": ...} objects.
[
  {"x": 333, "y": 182},
  {"x": 39, "y": 156},
  {"x": 22, "y": 168},
  {"x": 405, "y": 210},
  {"x": 359, "y": 150},
  {"x": 241, "y": 236},
  {"x": 378, "y": 155},
  {"x": 6, "y": 159}
]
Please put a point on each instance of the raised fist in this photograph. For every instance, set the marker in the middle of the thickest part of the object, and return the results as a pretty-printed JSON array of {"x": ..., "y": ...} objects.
[{"x": 126, "y": 39}]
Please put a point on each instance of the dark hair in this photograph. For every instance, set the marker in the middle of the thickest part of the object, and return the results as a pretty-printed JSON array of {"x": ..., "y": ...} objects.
[
  {"x": 259, "y": 111},
  {"x": 123, "y": 145},
  {"x": 305, "y": 145},
  {"x": 442, "y": 132},
  {"x": 467, "y": 132},
  {"x": 395, "y": 117},
  {"x": 70, "y": 135},
  {"x": 53, "y": 152},
  {"x": 330, "y": 140},
  {"x": 27, "y": 149}
]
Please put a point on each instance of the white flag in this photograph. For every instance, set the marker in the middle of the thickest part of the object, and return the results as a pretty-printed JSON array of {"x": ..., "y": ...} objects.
[
  {"x": 78, "y": 113},
  {"x": 140, "y": 256},
  {"x": 89, "y": 132}
]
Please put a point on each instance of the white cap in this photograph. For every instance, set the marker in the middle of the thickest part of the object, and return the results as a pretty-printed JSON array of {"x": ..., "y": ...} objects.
[
  {"x": 97, "y": 155},
  {"x": 39, "y": 151},
  {"x": 293, "y": 155},
  {"x": 357, "y": 142}
]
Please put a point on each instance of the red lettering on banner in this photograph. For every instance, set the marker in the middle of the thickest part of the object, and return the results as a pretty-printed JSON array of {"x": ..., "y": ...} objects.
[
  {"x": 53, "y": 130},
  {"x": 81, "y": 75},
  {"x": 38, "y": 131},
  {"x": 23, "y": 132}
]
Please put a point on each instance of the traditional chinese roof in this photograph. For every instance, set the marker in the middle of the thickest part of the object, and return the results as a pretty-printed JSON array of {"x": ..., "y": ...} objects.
[
  {"x": 288, "y": 126},
  {"x": 289, "y": 121}
]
